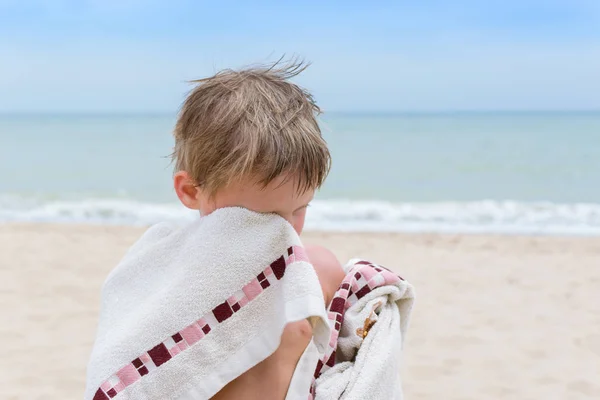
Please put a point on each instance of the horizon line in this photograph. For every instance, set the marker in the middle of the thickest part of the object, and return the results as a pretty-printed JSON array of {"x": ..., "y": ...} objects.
[{"x": 124, "y": 113}]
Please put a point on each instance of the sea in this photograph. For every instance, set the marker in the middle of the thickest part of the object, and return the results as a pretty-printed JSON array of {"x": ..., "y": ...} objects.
[{"x": 496, "y": 172}]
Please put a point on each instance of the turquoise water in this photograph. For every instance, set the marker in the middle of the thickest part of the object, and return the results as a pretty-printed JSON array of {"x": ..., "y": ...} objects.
[
  {"x": 513, "y": 172},
  {"x": 524, "y": 157}
]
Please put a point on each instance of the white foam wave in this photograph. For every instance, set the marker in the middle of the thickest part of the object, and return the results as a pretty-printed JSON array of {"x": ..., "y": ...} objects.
[
  {"x": 337, "y": 215},
  {"x": 461, "y": 217},
  {"x": 96, "y": 211}
]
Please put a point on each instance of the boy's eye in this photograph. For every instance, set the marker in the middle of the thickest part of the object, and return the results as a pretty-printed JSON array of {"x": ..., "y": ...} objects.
[{"x": 301, "y": 209}]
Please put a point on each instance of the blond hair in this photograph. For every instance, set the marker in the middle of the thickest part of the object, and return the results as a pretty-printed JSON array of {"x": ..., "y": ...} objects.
[{"x": 251, "y": 124}]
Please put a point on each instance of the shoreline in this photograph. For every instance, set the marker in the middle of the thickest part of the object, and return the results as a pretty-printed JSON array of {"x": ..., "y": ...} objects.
[
  {"x": 496, "y": 316},
  {"x": 487, "y": 217},
  {"x": 19, "y": 225}
]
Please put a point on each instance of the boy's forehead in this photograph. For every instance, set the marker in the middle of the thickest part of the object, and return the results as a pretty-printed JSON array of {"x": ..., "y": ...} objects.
[
  {"x": 279, "y": 195},
  {"x": 283, "y": 184},
  {"x": 283, "y": 189}
]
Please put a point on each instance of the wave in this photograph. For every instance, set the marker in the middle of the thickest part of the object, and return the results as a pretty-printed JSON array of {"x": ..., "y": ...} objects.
[{"x": 337, "y": 215}]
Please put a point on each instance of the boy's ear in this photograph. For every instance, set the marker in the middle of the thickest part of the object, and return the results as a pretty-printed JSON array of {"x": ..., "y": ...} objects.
[{"x": 187, "y": 190}]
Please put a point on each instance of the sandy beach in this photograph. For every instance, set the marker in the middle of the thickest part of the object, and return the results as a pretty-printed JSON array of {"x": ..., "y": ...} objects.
[{"x": 497, "y": 317}]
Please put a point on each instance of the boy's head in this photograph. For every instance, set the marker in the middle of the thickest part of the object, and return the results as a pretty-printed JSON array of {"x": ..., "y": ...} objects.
[{"x": 250, "y": 138}]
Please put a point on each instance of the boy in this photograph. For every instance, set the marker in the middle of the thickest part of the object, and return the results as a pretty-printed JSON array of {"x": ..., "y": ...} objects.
[{"x": 250, "y": 138}]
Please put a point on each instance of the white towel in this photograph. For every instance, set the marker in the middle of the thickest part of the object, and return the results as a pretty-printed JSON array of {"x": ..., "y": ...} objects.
[
  {"x": 369, "y": 317},
  {"x": 188, "y": 310}
]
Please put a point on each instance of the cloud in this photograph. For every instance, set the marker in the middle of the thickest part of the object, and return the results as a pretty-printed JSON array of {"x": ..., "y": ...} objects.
[
  {"x": 132, "y": 77},
  {"x": 434, "y": 55}
]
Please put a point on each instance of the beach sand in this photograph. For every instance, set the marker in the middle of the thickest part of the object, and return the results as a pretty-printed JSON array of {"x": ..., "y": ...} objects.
[{"x": 496, "y": 317}]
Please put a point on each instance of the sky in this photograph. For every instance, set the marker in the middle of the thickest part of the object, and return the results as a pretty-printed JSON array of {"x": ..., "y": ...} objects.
[{"x": 427, "y": 55}]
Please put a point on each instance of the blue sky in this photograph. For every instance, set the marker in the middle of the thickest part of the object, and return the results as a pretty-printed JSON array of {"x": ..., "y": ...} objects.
[{"x": 135, "y": 56}]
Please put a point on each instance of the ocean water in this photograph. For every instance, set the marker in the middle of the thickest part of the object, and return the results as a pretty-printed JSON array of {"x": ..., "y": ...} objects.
[{"x": 481, "y": 172}]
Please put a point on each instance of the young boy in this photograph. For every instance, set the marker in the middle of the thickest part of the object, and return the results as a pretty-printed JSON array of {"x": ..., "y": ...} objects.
[{"x": 250, "y": 138}]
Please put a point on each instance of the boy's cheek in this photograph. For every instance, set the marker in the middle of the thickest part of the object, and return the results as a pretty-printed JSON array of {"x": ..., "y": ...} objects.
[{"x": 298, "y": 224}]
